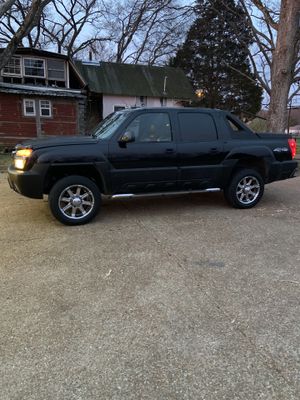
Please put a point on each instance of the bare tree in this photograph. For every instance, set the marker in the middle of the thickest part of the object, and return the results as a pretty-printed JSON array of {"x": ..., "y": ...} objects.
[
  {"x": 31, "y": 19},
  {"x": 12, "y": 21},
  {"x": 145, "y": 30},
  {"x": 76, "y": 26},
  {"x": 123, "y": 31},
  {"x": 275, "y": 54}
]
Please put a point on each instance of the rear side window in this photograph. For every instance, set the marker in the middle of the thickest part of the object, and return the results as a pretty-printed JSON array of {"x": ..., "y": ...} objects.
[
  {"x": 238, "y": 130},
  {"x": 235, "y": 127},
  {"x": 197, "y": 127}
]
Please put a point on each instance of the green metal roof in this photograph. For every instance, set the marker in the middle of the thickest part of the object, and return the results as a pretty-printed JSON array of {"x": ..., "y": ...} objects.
[{"x": 135, "y": 80}]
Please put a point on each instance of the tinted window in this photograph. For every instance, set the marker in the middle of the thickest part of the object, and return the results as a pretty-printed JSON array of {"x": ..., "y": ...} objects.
[
  {"x": 197, "y": 127},
  {"x": 151, "y": 127}
]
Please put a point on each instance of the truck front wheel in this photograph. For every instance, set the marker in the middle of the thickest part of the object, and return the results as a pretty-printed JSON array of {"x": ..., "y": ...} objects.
[
  {"x": 74, "y": 200},
  {"x": 245, "y": 189}
]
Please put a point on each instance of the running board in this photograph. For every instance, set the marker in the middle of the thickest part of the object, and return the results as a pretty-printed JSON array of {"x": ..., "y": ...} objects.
[{"x": 130, "y": 195}]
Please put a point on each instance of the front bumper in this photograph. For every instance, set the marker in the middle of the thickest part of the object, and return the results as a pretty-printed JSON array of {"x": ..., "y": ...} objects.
[
  {"x": 28, "y": 183},
  {"x": 282, "y": 170}
]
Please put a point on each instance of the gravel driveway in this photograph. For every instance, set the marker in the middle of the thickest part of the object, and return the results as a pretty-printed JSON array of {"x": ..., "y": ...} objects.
[{"x": 166, "y": 298}]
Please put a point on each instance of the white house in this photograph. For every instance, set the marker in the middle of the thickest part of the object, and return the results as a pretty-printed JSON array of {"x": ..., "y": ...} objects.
[{"x": 113, "y": 86}]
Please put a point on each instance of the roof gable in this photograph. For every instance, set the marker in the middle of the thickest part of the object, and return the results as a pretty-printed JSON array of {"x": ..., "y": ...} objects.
[{"x": 135, "y": 80}]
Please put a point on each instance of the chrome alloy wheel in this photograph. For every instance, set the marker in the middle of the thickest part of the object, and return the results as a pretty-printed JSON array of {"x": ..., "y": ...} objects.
[
  {"x": 76, "y": 201},
  {"x": 248, "y": 190}
]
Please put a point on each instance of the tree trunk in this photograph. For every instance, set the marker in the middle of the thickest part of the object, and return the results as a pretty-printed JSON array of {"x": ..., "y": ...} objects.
[
  {"x": 283, "y": 64},
  {"x": 5, "y": 6}
]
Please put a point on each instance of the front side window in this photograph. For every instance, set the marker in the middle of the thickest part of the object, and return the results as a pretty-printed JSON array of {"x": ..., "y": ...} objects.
[
  {"x": 13, "y": 67},
  {"x": 45, "y": 108},
  {"x": 29, "y": 107},
  {"x": 197, "y": 127},
  {"x": 34, "y": 67},
  {"x": 151, "y": 127}
]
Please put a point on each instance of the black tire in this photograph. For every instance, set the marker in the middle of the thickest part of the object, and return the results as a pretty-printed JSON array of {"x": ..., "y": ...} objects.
[
  {"x": 74, "y": 200},
  {"x": 245, "y": 189}
]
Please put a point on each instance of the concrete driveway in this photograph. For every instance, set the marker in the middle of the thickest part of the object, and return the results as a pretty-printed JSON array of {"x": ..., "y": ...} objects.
[{"x": 167, "y": 298}]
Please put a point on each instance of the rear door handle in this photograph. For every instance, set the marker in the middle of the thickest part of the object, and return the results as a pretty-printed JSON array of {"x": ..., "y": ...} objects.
[{"x": 214, "y": 150}]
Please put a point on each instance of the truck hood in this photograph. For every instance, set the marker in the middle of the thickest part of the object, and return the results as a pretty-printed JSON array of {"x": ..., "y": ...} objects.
[{"x": 58, "y": 141}]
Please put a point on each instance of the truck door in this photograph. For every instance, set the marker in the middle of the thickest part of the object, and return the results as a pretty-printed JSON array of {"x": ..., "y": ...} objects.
[
  {"x": 200, "y": 153},
  {"x": 148, "y": 163}
]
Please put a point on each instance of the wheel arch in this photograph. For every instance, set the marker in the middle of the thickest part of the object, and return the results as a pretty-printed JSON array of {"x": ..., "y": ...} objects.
[
  {"x": 57, "y": 172},
  {"x": 258, "y": 158},
  {"x": 258, "y": 164}
]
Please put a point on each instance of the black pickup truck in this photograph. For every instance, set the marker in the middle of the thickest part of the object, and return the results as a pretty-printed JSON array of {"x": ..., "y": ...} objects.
[{"x": 151, "y": 151}]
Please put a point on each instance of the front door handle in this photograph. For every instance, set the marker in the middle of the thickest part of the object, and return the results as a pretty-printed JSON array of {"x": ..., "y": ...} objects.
[
  {"x": 214, "y": 150},
  {"x": 169, "y": 151}
]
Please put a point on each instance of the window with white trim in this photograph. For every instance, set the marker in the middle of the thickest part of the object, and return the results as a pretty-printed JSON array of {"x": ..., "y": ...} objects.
[
  {"x": 45, "y": 108},
  {"x": 34, "y": 67},
  {"x": 56, "y": 70},
  {"x": 13, "y": 67},
  {"x": 29, "y": 107}
]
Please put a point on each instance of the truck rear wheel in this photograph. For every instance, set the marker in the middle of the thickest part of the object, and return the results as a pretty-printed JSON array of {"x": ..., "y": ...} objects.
[
  {"x": 74, "y": 200},
  {"x": 245, "y": 189}
]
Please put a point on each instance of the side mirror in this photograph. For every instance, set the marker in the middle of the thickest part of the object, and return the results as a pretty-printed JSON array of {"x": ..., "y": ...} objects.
[{"x": 127, "y": 137}]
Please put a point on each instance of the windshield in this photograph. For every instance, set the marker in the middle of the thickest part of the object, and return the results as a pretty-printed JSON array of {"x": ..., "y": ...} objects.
[{"x": 108, "y": 126}]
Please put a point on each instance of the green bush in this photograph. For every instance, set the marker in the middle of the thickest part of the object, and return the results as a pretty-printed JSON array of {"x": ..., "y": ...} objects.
[{"x": 258, "y": 125}]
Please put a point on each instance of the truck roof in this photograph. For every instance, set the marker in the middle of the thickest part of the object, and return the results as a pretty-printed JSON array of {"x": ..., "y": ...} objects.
[{"x": 187, "y": 109}]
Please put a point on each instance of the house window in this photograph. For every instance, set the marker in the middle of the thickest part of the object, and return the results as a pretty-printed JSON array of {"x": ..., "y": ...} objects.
[
  {"x": 143, "y": 101},
  {"x": 163, "y": 102},
  {"x": 56, "y": 70},
  {"x": 29, "y": 108},
  {"x": 45, "y": 108},
  {"x": 118, "y": 108},
  {"x": 13, "y": 67},
  {"x": 34, "y": 67}
]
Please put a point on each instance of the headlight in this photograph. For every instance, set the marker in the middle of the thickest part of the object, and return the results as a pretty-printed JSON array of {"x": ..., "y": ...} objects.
[
  {"x": 21, "y": 157},
  {"x": 20, "y": 163}
]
